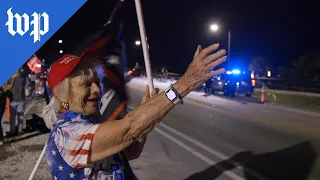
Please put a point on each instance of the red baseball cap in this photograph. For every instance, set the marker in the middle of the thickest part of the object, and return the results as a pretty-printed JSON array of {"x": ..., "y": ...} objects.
[{"x": 65, "y": 65}]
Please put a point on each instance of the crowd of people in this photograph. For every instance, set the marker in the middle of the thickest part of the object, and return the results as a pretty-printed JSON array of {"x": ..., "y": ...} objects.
[
  {"x": 14, "y": 90},
  {"x": 13, "y": 100}
]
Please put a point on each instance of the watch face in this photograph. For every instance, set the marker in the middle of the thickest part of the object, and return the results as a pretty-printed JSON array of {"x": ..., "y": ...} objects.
[{"x": 171, "y": 95}]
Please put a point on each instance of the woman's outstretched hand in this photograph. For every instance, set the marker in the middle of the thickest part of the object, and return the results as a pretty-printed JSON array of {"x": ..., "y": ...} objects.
[{"x": 199, "y": 70}]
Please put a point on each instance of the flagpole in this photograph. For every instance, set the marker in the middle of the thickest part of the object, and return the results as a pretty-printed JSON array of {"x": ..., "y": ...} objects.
[
  {"x": 145, "y": 45},
  {"x": 38, "y": 163},
  {"x": 39, "y": 159}
]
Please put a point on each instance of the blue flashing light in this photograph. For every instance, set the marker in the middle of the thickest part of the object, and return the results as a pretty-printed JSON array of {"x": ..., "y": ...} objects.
[
  {"x": 235, "y": 71},
  {"x": 229, "y": 72}
]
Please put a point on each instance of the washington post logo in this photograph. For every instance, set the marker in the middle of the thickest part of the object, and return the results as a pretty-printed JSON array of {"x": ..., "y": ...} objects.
[{"x": 39, "y": 24}]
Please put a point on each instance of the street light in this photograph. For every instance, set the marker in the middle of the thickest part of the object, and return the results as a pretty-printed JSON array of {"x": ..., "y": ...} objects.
[
  {"x": 60, "y": 41},
  {"x": 137, "y": 43},
  {"x": 214, "y": 28},
  {"x": 269, "y": 73},
  {"x": 61, "y": 51},
  {"x": 252, "y": 74}
]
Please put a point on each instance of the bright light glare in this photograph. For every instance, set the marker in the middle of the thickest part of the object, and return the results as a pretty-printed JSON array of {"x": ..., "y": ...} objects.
[
  {"x": 60, "y": 41},
  {"x": 269, "y": 74},
  {"x": 229, "y": 72},
  {"x": 38, "y": 65},
  {"x": 220, "y": 83},
  {"x": 253, "y": 82},
  {"x": 236, "y": 71},
  {"x": 238, "y": 83},
  {"x": 61, "y": 51},
  {"x": 214, "y": 27},
  {"x": 252, "y": 75},
  {"x": 137, "y": 43}
]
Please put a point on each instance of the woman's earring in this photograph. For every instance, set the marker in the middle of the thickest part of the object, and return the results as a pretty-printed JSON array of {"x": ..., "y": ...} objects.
[{"x": 65, "y": 105}]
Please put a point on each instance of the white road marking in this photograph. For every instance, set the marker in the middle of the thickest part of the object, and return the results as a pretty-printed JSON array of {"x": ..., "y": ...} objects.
[
  {"x": 208, "y": 149},
  {"x": 199, "y": 155}
]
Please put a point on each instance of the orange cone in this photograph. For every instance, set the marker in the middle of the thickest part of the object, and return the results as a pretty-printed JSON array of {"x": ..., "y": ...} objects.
[
  {"x": 262, "y": 95},
  {"x": 8, "y": 110}
]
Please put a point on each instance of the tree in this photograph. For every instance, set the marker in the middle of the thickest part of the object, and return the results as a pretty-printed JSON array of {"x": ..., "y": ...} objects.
[
  {"x": 307, "y": 66},
  {"x": 259, "y": 65}
]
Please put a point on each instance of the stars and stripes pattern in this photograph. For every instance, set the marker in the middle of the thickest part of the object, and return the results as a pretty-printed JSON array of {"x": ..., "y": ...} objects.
[{"x": 68, "y": 148}]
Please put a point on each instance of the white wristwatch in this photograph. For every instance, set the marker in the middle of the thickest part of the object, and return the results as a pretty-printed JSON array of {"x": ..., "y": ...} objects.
[{"x": 173, "y": 95}]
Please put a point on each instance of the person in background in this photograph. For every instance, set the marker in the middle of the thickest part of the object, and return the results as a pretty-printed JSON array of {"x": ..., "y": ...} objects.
[
  {"x": 3, "y": 97},
  {"x": 163, "y": 74},
  {"x": 17, "y": 104},
  {"x": 208, "y": 89}
]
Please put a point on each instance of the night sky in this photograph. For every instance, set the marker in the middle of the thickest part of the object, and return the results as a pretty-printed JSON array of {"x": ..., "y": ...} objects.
[{"x": 278, "y": 30}]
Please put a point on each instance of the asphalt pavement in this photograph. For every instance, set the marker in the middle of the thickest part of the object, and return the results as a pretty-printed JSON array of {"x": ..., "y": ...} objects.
[{"x": 218, "y": 138}]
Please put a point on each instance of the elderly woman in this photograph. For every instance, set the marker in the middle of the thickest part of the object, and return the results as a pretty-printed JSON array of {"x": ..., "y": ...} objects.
[{"x": 79, "y": 147}]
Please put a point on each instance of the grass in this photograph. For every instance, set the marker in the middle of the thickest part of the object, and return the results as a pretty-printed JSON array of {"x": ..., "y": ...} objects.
[{"x": 292, "y": 100}]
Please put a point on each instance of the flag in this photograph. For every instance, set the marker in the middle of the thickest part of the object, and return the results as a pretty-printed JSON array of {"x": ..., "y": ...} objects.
[
  {"x": 34, "y": 64},
  {"x": 108, "y": 41}
]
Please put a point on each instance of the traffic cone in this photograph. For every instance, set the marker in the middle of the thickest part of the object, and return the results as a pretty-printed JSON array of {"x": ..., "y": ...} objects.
[
  {"x": 8, "y": 110},
  {"x": 262, "y": 95}
]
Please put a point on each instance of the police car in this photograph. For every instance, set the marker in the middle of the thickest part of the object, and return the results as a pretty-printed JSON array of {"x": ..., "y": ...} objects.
[{"x": 234, "y": 82}]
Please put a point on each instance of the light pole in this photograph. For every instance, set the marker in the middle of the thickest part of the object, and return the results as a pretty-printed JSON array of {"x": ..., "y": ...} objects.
[
  {"x": 215, "y": 28},
  {"x": 229, "y": 47}
]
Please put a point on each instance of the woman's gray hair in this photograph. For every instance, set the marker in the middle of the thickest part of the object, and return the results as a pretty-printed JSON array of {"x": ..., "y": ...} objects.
[
  {"x": 87, "y": 66},
  {"x": 50, "y": 112}
]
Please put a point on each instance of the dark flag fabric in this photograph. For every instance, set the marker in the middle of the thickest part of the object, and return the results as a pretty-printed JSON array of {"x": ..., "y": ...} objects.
[{"x": 108, "y": 41}]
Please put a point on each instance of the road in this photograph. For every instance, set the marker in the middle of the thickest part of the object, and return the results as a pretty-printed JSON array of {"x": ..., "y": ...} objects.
[{"x": 217, "y": 138}]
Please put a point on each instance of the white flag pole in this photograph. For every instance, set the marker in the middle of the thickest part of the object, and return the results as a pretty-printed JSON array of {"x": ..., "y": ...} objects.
[
  {"x": 39, "y": 159},
  {"x": 145, "y": 45},
  {"x": 38, "y": 162}
]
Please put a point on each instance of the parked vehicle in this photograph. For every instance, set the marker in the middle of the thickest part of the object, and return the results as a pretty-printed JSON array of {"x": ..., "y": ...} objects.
[{"x": 233, "y": 83}]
